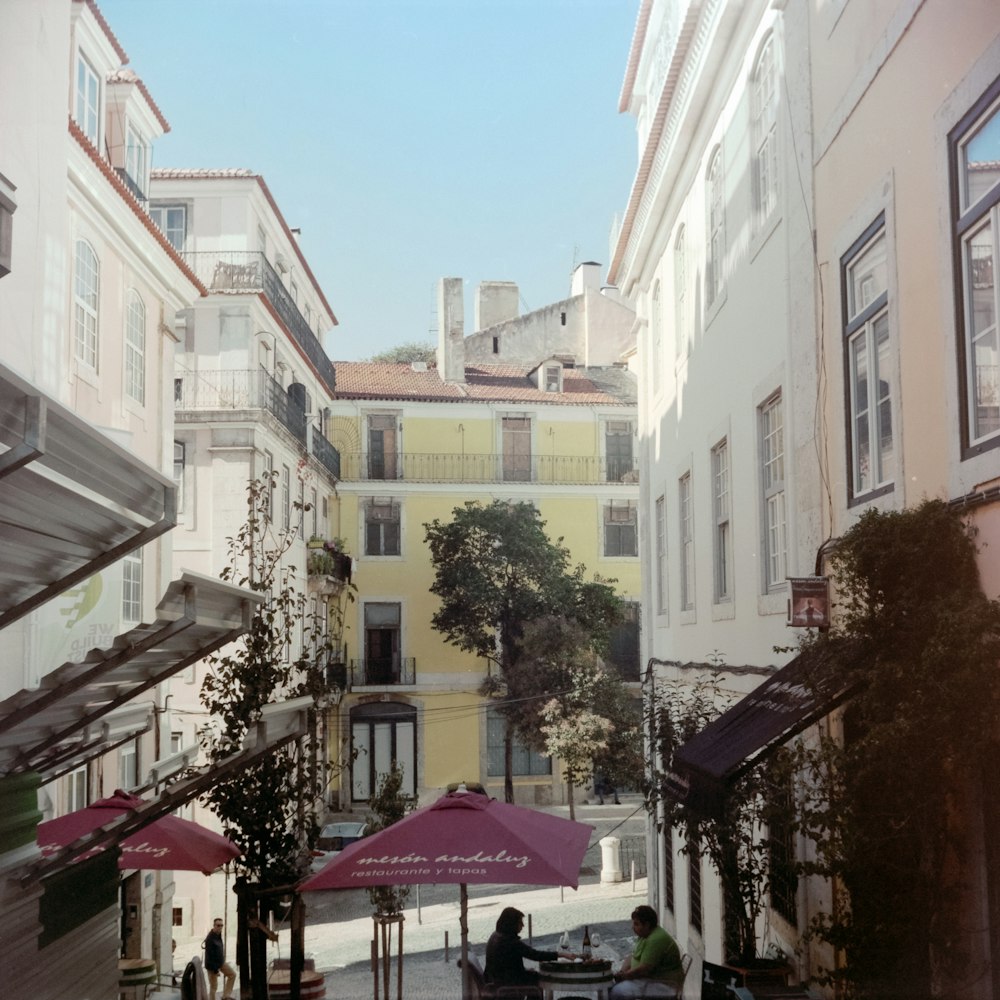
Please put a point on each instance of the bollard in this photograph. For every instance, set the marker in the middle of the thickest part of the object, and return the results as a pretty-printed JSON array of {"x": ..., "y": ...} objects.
[
  {"x": 420, "y": 919},
  {"x": 529, "y": 928},
  {"x": 611, "y": 862},
  {"x": 446, "y": 959},
  {"x": 633, "y": 876}
]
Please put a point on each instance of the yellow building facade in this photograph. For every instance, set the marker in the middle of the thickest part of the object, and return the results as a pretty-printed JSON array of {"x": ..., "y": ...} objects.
[{"x": 415, "y": 446}]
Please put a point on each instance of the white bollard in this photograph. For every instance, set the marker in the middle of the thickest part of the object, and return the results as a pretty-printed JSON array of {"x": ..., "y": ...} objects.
[{"x": 611, "y": 862}]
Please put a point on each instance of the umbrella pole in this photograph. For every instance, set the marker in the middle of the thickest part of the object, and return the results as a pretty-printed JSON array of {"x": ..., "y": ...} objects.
[{"x": 463, "y": 924}]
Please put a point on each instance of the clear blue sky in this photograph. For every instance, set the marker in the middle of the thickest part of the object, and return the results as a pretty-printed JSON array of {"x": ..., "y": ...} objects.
[{"x": 409, "y": 139}]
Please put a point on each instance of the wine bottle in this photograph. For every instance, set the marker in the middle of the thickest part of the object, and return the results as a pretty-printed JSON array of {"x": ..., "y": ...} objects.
[{"x": 586, "y": 952}]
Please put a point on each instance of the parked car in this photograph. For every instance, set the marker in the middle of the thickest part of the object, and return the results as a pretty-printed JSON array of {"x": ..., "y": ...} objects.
[{"x": 333, "y": 838}]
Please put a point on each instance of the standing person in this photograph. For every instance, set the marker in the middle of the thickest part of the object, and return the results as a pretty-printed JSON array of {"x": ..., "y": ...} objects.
[
  {"x": 654, "y": 968},
  {"x": 506, "y": 952},
  {"x": 215, "y": 962}
]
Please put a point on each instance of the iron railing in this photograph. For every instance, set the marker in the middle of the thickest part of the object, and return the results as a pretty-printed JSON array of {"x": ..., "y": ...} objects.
[
  {"x": 451, "y": 467},
  {"x": 250, "y": 271},
  {"x": 133, "y": 187},
  {"x": 252, "y": 390},
  {"x": 383, "y": 671}
]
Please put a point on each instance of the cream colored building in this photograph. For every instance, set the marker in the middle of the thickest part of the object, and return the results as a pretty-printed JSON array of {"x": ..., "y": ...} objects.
[{"x": 418, "y": 440}]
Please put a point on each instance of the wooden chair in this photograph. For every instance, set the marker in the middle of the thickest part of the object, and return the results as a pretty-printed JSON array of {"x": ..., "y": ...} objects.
[{"x": 492, "y": 991}]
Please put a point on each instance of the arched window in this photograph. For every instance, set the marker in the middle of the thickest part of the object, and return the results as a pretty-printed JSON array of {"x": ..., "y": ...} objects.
[
  {"x": 135, "y": 348},
  {"x": 383, "y": 733},
  {"x": 680, "y": 299},
  {"x": 763, "y": 113},
  {"x": 86, "y": 279},
  {"x": 716, "y": 242}
]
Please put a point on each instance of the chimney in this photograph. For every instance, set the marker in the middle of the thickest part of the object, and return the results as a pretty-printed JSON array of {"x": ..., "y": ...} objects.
[
  {"x": 587, "y": 275},
  {"x": 496, "y": 302},
  {"x": 451, "y": 331}
]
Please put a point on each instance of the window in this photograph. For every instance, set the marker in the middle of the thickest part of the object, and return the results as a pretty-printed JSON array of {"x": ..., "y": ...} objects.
[
  {"x": 128, "y": 765},
  {"x": 869, "y": 362},
  {"x": 381, "y": 528},
  {"x": 261, "y": 240},
  {"x": 302, "y": 509},
  {"x": 526, "y": 762},
  {"x": 177, "y": 916},
  {"x": 773, "y": 486},
  {"x": 784, "y": 881},
  {"x": 132, "y": 587},
  {"x": 618, "y": 450},
  {"x": 656, "y": 336},
  {"x": 77, "y": 789},
  {"x": 383, "y": 734},
  {"x": 686, "y": 516},
  {"x": 716, "y": 230},
  {"x": 381, "y": 446},
  {"x": 135, "y": 348},
  {"x": 661, "y": 555},
  {"x": 621, "y": 536},
  {"x": 668, "y": 867},
  {"x": 179, "y": 456},
  {"x": 694, "y": 885},
  {"x": 623, "y": 643},
  {"x": 85, "y": 289},
  {"x": 136, "y": 158},
  {"x": 267, "y": 480},
  {"x": 314, "y": 510},
  {"x": 553, "y": 378},
  {"x": 176, "y": 741},
  {"x": 722, "y": 554},
  {"x": 763, "y": 111},
  {"x": 975, "y": 149},
  {"x": 680, "y": 301},
  {"x": 171, "y": 220},
  {"x": 88, "y": 100},
  {"x": 382, "y": 626},
  {"x": 286, "y": 497},
  {"x": 516, "y": 434}
]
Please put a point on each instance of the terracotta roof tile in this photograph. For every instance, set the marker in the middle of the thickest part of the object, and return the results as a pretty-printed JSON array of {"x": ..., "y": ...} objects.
[
  {"x": 484, "y": 383},
  {"x": 130, "y": 76},
  {"x": 106, "y": 28}
]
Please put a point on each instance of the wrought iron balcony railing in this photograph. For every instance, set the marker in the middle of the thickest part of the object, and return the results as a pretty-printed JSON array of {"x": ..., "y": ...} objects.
[
  {"x": 456, "y": 468},
  {"x": 251, "y": 390},
  {"x": 383, "y": 671},
  {"x": 250, "y": 271},
  {"x": 133, "y": 187}
]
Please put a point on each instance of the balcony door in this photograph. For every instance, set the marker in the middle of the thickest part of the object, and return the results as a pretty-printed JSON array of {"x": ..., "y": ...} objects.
[
  {"x": 516, "y": 449},
  {"x": 382, "y": 446},
  {"x": 382, "y": 643}
]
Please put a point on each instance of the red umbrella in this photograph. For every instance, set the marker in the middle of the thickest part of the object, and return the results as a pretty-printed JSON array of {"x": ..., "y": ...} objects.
[
  {"x": 168, "y": 843},
  {"x": 463, "y": 837}
]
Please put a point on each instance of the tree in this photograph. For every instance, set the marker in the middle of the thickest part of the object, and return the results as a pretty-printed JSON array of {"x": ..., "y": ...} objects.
[
  {"x": 407, "y": 353},
  {"x": 886, "y": 802},
  {"x": 270, "y": 808},
  {"x": 496, "y": 571}
]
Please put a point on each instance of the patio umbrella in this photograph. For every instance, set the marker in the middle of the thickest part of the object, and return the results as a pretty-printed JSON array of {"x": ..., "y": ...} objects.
[
  {"x": 463, "y": 838},
  {"x": 168, "y": 843}
]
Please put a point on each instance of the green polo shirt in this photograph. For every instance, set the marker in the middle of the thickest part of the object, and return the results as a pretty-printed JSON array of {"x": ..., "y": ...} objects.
[{"x": 659, "y": 950}]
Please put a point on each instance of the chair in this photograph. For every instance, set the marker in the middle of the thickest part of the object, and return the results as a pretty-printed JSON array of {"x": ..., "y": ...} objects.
[
  {"x": 678, "y": 980},
  {"x": 492, "y": 991}
]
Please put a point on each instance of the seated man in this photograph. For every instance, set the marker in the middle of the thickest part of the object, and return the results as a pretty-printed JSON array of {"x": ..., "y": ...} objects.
[
  {"x": 506, "y": 952},
  {"x": 654, "y": 967}
]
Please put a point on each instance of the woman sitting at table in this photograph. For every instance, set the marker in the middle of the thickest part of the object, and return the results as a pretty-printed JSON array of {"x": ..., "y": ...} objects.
[{"x": 506, "y": 952}]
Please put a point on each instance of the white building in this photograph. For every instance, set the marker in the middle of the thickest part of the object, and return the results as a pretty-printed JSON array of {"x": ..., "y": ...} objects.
[{"x": 715, "y": 253}]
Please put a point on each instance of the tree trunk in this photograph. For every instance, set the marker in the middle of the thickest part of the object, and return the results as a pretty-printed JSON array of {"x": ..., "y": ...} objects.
[
  {"x": 508, "y": 765},
  {"x": 569, "y": 796}
]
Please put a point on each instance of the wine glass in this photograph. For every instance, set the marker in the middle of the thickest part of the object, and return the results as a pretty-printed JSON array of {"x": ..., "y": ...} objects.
[
  {"x": 595, "y": 940},
  {"x": 564, "y": 941}
]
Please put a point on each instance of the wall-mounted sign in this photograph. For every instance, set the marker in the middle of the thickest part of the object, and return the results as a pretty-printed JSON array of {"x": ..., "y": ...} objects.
[{"x": 809, "y": 603}]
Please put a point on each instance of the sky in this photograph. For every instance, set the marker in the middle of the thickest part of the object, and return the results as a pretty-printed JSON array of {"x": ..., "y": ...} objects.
[{"x": 409, "y": 139}]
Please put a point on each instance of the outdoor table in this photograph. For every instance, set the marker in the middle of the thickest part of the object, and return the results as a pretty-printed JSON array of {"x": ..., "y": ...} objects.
[{"x": 576, "y": 977}]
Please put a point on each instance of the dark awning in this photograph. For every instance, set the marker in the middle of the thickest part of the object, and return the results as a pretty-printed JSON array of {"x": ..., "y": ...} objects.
[
  {"x": 197, "y": 615},
  {"x": 280, "y": 724},
  {"x": 785, "y": 704},
  {"x": 72, "y": 501}
]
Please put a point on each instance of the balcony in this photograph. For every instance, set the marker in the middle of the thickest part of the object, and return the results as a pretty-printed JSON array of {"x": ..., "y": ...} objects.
[
  {"x": 240, "y": 391},
  {"x": 133, "y": 187},
  {"x": 383, "y": 671},
  {"x": 249, "y": 271},
  {"x": 456, "y": 468},
  {"x": 327, "y": 570}
]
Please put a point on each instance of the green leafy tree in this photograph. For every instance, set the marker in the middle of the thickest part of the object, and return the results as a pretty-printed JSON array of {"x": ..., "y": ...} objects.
[
  {"x": 387, "y": 806},
  {"x": 496, "y": 571},
  {"x": 413, "y": 350},
  {"x": 270, "y": 808},
  {"x": 885, "y": 801}
]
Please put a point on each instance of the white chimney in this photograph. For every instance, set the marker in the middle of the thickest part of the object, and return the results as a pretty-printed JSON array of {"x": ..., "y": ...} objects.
[
  {"x": 496, "y": 302},
  {"x": 451, "y": 330},
  {"x": 587, "y": 275}
]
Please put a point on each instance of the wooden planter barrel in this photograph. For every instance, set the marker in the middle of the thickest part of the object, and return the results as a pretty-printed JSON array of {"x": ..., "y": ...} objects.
[{"x": 279, "y": 985}]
